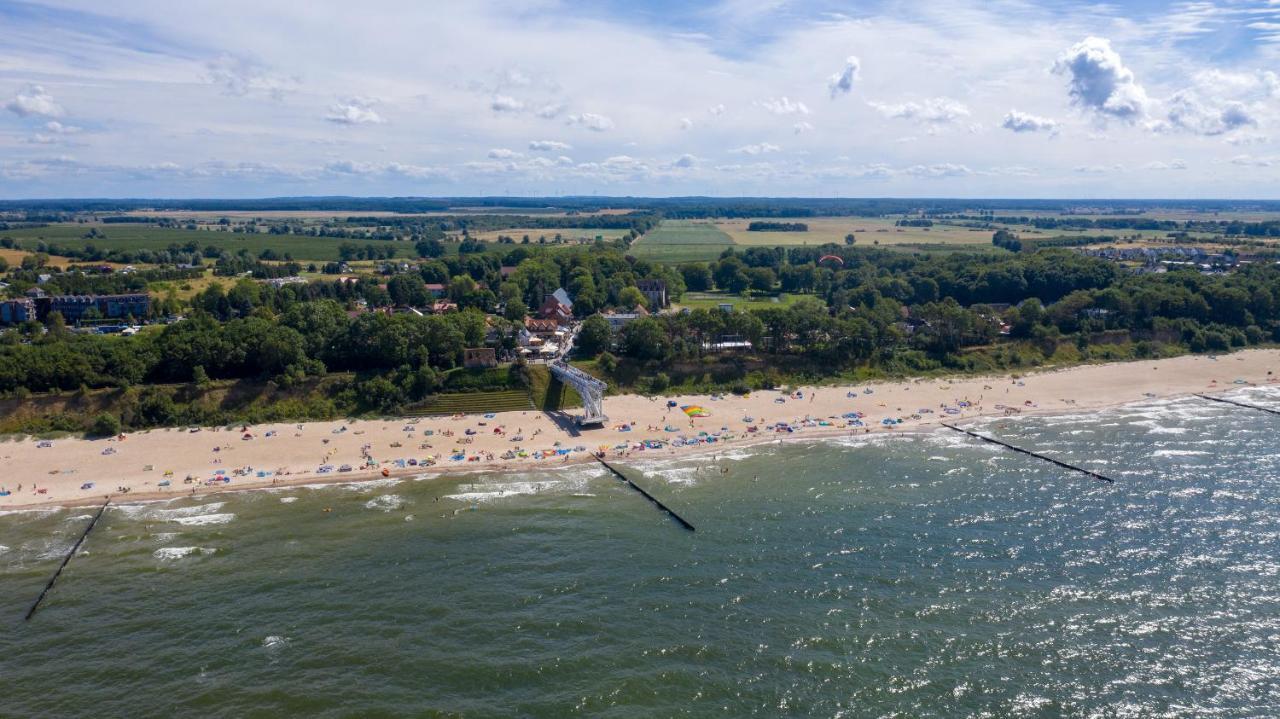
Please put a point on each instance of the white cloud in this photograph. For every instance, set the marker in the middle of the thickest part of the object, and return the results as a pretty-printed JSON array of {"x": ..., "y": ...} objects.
[
  {"x": 591, "y": 121},
  {"x": 34, "y": 101},
  {"x": 761, "y": 148},
  {"x": 784, "y": 106},
  {"x": 1248, "y": 138},
  {"x": 1026, "y": 122},
  {"x": 354, "y": 111},
  {"x": 505, "y": 103},
  {"x": 1099, "y": 81},
  {"x": 945, "y": 169},
  {"x": 549, "y": 146},
  {"x": 685, "y": 161},
  {"x": 1252, "y": 161},
  {"x": 1189, "y": 111},
  {"x": 239, "y": 76},
  {"x": 801, "y": 127},
  {"x": 686, "y": 123},
  {"x": 1259, "y": 83},
  {"x": 842, "y": 82},
  {"x": 58, "y": 128},
  {"x": 934, "y": 111},
  {"x": 550, "y": 110},
  {"x": 352, "y": 167},
  {"x": 502, "y": 153},
  {"x": 1097, "y": 169},
  {"x": 1170, "y": 165}
]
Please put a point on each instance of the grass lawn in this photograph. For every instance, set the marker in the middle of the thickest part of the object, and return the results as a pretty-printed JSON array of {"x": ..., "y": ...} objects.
[
  {"x": 677, "y": 241},
  {"x": 712, "y": 300}
]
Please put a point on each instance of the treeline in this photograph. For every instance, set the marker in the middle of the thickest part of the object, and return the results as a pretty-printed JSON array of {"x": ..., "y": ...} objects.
[
  {"x": 759, "y": 226},
  {"x": 885, "y": 310}
]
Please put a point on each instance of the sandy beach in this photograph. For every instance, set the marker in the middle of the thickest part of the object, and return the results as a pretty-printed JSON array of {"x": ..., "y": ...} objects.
[{"x": 168, "y": 463}]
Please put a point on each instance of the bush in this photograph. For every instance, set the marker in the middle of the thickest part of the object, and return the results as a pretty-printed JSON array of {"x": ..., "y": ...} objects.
[{"x": 105, "y": 425}]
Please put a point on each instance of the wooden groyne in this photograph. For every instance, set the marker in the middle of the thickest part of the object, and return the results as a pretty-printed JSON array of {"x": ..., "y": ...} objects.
[
  {"x": 1037, "y": 455},
  {"x": 1224, "y": 400},
  {"x": 658, "y": 503},
  {"x": 49, "y": 585}
]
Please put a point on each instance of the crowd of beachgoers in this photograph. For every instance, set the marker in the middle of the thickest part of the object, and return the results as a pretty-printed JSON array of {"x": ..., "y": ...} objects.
[{"x": 188, "y": 461}]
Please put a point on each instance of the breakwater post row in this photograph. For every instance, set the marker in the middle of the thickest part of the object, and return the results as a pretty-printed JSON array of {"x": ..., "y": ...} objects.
[
  {"x": 680, "y": 520},
  {"x": 1037, "y": 455},
  {"x": 49, "y": 585},
  {"x": 1238, "y": 404}
]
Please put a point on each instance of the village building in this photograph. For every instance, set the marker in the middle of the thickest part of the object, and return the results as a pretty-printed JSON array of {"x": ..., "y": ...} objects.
[
  {"x": 655, "y": 291},
  {"x": 618, "y": 320},
  {"x": 17, "y": 311}
]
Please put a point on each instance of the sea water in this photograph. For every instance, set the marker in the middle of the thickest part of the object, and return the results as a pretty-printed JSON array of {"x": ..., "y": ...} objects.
[{"x": 922, "y": 575}]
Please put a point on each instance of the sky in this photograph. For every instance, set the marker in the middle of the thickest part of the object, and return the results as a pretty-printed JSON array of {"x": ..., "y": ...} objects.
[{"x": 964, "y": 98}]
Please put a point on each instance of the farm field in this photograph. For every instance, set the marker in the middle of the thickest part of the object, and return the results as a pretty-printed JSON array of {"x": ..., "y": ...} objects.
[
  {"x": 823, "y": 230},
  {"x": 682, "y": 241},
  {"x": 568, "y": 234},
  {"x": 146, "y": 237}
]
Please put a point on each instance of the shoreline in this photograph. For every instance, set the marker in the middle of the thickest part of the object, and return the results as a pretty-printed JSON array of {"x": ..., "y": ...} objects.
[{"x": 140, "y": 461}]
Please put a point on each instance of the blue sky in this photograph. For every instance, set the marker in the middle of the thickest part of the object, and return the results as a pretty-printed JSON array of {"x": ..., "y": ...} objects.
[{"x": 231, "y": 98}]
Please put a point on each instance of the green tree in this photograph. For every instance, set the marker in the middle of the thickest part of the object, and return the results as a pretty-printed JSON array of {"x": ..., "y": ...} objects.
[
  {"x": 629, "y": 297},
  {"x": 407, "y": 290},
  {"x": 646, "y": 339},
  {"x": 595, "y": 336},
  {"x": 105, "y": 425}
]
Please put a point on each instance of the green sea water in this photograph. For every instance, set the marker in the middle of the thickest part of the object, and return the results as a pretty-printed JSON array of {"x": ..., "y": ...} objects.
[{"x": 923, "y": 575}]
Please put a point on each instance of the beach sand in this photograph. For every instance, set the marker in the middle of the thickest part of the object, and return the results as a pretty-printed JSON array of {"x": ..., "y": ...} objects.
[{"x": 290, "y": 453}]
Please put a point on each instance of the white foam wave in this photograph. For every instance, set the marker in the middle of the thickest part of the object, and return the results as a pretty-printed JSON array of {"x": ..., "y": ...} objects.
[
  {"x": 489, "y": 491},
  {"x": 373, "y": 484},
  {"x": 1177, "y": 453},
  {"x": 385, "y": 502},
  {"x": 205, "y": 519},
  {"x": 288, "y": 500},
  {"x": 172, "y": 553},
  {"x": 36, "y": 513}
]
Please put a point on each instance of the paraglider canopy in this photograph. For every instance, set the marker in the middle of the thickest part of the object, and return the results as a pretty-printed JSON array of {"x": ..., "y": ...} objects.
[{"x": 836, "y": 258}]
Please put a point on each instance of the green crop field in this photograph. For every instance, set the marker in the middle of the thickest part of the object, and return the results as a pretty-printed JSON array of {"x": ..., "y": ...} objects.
[
  {"x": 147, "y": 237},
  {"x": 682, "y": 241},
  {"x": 567, "y": 234}
]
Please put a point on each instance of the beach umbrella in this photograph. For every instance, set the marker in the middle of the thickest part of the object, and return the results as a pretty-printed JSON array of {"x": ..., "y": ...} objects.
[{"x": 694, "y": 410}]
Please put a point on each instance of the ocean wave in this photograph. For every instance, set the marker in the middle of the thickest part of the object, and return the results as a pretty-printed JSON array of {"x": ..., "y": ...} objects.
[
  {"x": 172, "y": 553},
  {"x": 205, "y": 519},
  {"x": 385, "y": 502},
  {"x": 275, "y": 642},
  {"x": 35, "y": 513},
  {"x": 1177, "y": 453},
  {"x": 370, "y": 484},
  {"x": 288, "y": 500},
  {"x": 489, "y": 491},
  {"x": 156, "y": 511}
]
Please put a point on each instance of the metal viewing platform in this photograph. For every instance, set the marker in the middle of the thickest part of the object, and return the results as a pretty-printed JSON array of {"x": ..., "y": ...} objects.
[{"x": 589, "y": 388}]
